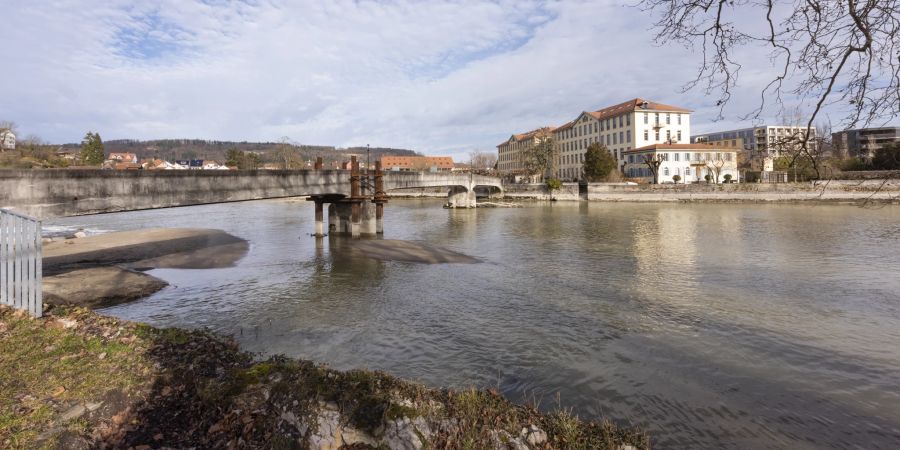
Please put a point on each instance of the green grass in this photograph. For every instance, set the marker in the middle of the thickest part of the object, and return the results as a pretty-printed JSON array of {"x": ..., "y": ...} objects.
[{"x": 45, "y": 362}]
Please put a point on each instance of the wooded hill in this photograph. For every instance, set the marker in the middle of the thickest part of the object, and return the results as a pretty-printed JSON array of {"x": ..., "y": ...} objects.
[{"x": 175, "y": 149}]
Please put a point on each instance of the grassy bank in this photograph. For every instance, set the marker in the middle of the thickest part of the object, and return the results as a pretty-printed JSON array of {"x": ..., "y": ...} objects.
[{"x": 76, "y": 379}]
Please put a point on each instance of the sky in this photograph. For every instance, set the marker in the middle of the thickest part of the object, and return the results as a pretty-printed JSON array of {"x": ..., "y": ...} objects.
[{"x": 442, "y": 78}]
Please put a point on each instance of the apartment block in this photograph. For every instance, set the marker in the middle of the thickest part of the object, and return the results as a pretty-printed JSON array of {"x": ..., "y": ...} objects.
[
  {"x": 760, "y": 141},
  {"x": 510, "y": 153},
  {"x": 863, "y": 142}
]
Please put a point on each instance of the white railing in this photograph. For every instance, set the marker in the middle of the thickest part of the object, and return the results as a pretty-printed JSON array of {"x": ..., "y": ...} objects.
[{"x": 20, "y": 262}]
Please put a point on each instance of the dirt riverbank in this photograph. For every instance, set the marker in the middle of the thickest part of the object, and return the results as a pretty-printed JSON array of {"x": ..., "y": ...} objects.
[{"x": 77, "y": 380}]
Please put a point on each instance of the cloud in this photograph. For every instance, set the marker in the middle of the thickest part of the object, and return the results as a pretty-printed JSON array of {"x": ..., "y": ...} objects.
[{"x": 442, "y": 78}]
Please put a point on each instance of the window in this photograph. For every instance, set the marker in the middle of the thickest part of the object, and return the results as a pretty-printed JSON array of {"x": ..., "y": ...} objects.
[
  {"x": 646, "y": 135},
  {"x": 622, "y": 137},
  {"x": 657, "y": 135},
  {"x": 656, "y": 115},
  {"x": 668, "y": 118},
  {"x": 676, "y": 156},
  {"x": 620, "y": 121},
  {"x": 607, "y": 139},
  {"x": 666, "y": 171},
  {"x": 614, "y": 139},
  {"x": 679, "y": 135},
  {"x": 687, "y": 156},
  {"x": 602, "y": 127},
  {"x": 628, "y": 136},
  {"x": 668, "y": 135},
  {"x": 595, "y": 127},
  {"x": 728, "y": 156},
  {"x": 687, "y": 171},
  {"x": 678, "y": 117},
  {"x": 628, "y": 120},
  {"x": 718, "y": 156},
  {"x": 734, "y": 143},
  {"x": 646, "y": 117}
]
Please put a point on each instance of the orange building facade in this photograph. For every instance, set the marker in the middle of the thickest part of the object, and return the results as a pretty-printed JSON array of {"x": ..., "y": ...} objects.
[{"x": 417, "y": 163}]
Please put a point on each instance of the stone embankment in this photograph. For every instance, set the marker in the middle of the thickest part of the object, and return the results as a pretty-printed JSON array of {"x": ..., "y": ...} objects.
[
  {"x": 837, "y": 191},
  {"x": 82, "y": 380}
]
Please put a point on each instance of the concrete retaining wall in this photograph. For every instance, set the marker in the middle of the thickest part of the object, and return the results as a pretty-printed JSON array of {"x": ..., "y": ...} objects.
[
  {"x": 54, "y": 193},
  {"x": 834, "y": 190},
  {"x": 539, "y": 191},
  {"x": 846, "y": 191}
]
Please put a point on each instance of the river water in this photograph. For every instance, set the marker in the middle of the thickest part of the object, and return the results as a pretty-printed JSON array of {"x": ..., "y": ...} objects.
[{"x": 715, "y": 326}]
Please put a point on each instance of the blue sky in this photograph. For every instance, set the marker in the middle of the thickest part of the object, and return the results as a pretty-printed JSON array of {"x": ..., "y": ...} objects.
[{"x": 440, "y": 78}]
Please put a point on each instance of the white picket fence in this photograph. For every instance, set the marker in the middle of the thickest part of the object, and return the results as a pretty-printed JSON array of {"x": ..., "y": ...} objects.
[{"x": 20, "y": 262}]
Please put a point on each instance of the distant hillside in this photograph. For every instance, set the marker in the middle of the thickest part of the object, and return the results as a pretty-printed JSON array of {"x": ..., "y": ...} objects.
[{"x": 173, "y": 149}]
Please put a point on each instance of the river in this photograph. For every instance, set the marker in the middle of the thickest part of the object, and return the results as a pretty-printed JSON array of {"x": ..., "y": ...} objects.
[{"x": 709, "y": 325}]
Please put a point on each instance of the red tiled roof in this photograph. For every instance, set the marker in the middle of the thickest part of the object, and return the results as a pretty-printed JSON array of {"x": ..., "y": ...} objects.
[
  {"x": 634, "y": 105},
  {"x": 564, "y": 126}
]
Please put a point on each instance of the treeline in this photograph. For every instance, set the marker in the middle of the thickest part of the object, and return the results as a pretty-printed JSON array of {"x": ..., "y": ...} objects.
[{"x": 267, "y": 152}]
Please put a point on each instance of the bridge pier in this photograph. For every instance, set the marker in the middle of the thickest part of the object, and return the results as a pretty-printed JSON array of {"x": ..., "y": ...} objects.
[
  {"x": 460, "y": 197},
  {"x": 320, "y": 220},
  {"x": 355, "y": 215}
]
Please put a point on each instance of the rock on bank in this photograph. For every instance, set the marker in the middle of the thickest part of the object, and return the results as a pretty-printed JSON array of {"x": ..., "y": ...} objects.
[{"x": 83, "y": 380}]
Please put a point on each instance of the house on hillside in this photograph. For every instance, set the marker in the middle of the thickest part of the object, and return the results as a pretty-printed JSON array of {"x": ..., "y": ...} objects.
[
  {"x": 7, "y": 140},
  {"x": 123, "y": 158},
  {"x": 417, "y": 163}
]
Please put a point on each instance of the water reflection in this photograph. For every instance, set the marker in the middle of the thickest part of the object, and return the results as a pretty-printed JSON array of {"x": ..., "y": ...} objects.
[{"x": 725, "y": 326}]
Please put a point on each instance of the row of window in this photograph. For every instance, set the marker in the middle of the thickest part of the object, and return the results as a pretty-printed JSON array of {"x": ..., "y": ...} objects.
[
  {"x": 645, "y": 172},
  {"x": 668, "y": 118},
  {"x": 668, "y": 135},
  {"x": 727, "y": 156}
]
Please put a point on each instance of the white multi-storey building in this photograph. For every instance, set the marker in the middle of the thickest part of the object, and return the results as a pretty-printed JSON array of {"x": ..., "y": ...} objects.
[
  {"x": 690, "y": 162},
  {"x": 761, "y": 141},
  {"x": 622, "y": 127},
  {"x": 7, "y": 140}
]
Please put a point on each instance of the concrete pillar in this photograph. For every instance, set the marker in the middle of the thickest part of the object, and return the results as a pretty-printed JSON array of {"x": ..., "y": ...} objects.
[
  {"x": 320, "y": 220},
  {"x": 368, "y": 224},
  {"x": 460, "y": 197},
  {"x": 379, "y": 198},
  {"x": 354, "y": 195}
]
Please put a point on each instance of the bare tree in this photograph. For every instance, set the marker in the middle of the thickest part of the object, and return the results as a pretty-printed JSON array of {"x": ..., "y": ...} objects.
[
  {"x": 9, "y": 125},
  {"x": 653, "y": 162},
  {"x": 715, "y": 166},
  {"x": 287, "y": 154},
  {"x": 828, "y": 52},
  {"x": 540, "y": 157},
  {"x": 479, "y": 160}
]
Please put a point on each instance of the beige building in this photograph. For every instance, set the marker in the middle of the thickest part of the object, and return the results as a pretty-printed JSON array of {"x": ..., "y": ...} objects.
[
  {"x": 510, "y": 153},
  {"x": 622, "y": 127},
  {"x": 691, "y": 162}
]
